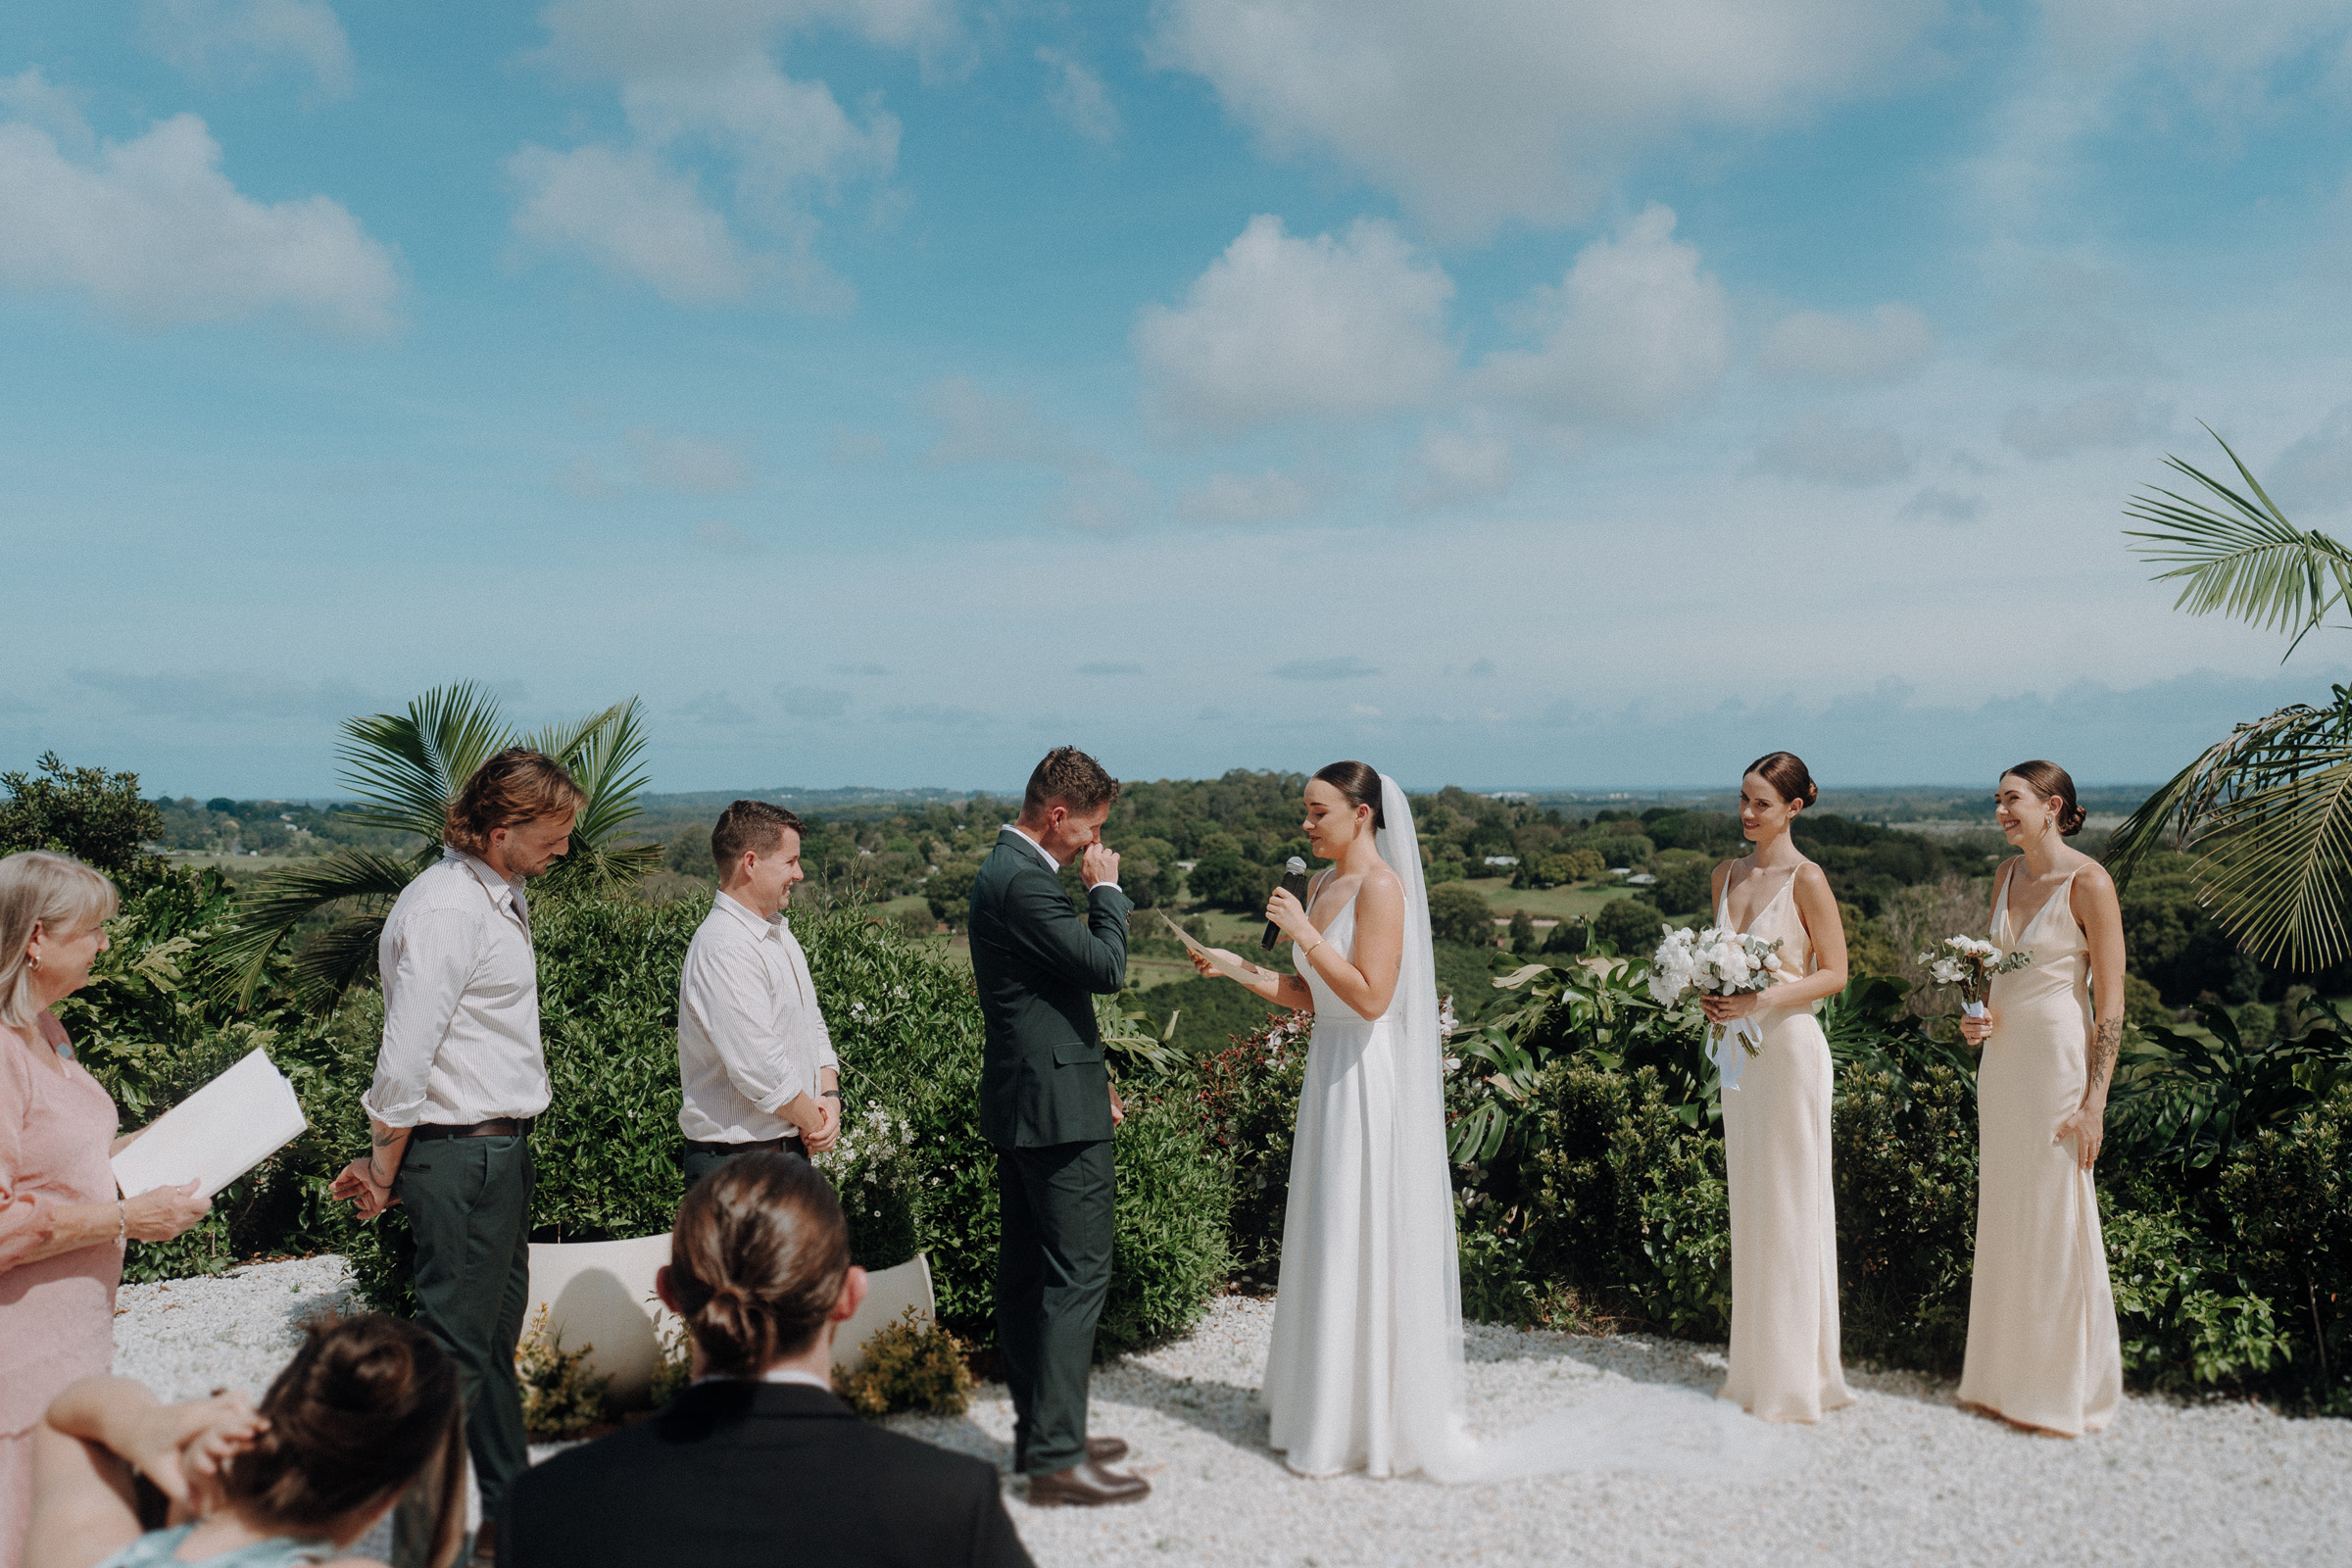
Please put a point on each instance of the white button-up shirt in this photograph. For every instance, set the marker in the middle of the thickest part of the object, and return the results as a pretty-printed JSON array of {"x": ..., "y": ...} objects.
[
  {"x": 461, "y": 1001},
  {"x": 750, "y": 1034}
]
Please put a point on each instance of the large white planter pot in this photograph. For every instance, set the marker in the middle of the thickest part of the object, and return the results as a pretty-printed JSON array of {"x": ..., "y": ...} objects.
[{"x": 601, "y": 1293}]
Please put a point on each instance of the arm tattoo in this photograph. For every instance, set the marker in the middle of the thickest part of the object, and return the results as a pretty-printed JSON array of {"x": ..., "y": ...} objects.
[
  {"x": 386, "y": 1137},
  {"x": 2105, "y": 1040}
]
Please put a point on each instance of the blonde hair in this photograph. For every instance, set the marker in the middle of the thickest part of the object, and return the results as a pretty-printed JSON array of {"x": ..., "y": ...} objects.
[
  {"x": 518, "y": 785},
  {"x": 55, "y": 893}
]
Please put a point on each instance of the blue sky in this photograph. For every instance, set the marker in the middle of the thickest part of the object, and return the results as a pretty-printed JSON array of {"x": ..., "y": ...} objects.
[{"x": 885, "y": 390}]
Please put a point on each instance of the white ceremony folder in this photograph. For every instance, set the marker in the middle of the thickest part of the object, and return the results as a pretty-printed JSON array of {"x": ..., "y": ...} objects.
[{"x": 217, "y": 1134}]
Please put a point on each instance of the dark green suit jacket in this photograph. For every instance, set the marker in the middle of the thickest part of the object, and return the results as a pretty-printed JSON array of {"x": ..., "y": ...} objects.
[{"x": 1038, "y": 965}]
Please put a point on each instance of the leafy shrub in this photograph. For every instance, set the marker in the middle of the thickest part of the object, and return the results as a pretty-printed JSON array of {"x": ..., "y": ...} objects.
[
  {"x": 96, "y": 816},
  {"x": 1628, "y": 926},
  {"x": 561, "y": 1398},
  {"x": 1247, "y": 1100},
  {"x": 1626, "y": 1202},
  {"x": 1228, "y": 882},
  {"x": 1461, "y": 915},
  {"x": 2188, "y": 1322},
  {"x": 910, "y": 1365},
  {"x": 1903, "y": 1166},
  {"x": 2289, "y": 1202}
]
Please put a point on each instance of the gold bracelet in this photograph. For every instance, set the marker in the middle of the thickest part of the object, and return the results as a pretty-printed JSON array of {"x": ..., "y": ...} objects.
[
  {"x": 1309, "y": 954},
  {"x": 122, "y": 1220}
]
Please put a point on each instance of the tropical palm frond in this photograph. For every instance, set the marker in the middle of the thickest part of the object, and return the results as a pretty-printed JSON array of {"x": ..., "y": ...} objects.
[
  {"x": 2274, "y": 848},
  {"x": 338, "y": 958},
  {"x": 406, "y": 766},
  {"x": 604, "y": 756},
  {"x": 2242, "y": 557},
  {"x": 235, "y": 961}
]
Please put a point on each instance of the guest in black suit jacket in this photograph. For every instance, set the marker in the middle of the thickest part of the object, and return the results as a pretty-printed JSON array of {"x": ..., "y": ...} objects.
[{"x": 758, "y": 1462}]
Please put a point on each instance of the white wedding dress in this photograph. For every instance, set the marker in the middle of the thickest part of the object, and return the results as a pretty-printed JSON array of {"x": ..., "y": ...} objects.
[{"x": 1365, "y": 1371}]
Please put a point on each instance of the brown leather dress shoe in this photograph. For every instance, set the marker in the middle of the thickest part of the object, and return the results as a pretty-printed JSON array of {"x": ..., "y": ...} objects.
[{"x": 1086, "y": 1486}]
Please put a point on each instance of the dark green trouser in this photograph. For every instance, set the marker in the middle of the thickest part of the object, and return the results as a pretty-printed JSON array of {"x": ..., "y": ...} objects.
[
  {"x": 1053, "y": 1272},
  {"x": 469, "y": 1203},
  {"x": 698, "y": 1163}
]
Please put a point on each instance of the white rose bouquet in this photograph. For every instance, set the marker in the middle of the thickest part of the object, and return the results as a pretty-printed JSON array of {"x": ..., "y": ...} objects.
[
  {"x": 1970, "y": 963},
  {"x": 1718, "y": 962}
]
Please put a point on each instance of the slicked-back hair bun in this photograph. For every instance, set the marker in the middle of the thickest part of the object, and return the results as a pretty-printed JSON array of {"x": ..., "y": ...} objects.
[
  {"x": 756, "y": 1261},
  {"x": 2048, "y": 780},
  {"x": 368, "y": 1407},
  {"x": 1786, "y": 773},
  {"x": 1359, "y": 783}
]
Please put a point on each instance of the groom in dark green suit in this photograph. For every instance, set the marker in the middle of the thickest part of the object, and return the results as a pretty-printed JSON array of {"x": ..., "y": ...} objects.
[{"x": 1047, "y": 1104}]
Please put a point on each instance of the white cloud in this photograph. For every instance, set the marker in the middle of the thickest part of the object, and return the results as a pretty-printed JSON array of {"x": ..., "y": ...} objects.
[
  {"x": 1494, "y": 109},
  {"x": 156, "y": 236},
  {"x": 706, "y": 77},
  {"x": 812, "y": 702},
  {"x": 715, "y": 710},
  {"x": 1814, "y": 446},
  {"x": 2102, "y": 419},
  {"x": 1078, "y": 96},
  {"x": 213, "y": 39},
  {"x": 1456, "y": 466},
  {"x": 1634, "y": 331},
  {"x": 1346, "y": 666},
  {"x": 2082, "y": 344},
  {"x": 690, "y": 464},
  {"x": 225, "y": 694},
  {"x": 638, "y": 217},
  {"x": 1943, "y": 506},
  {"x": 1280, "y": 328},
  {"x": 1890, "y": 343},
  {"x": 2315, "y": 472},
  {"x": 1242, "y": 498},
  {"x": 2222, "y": 50}
]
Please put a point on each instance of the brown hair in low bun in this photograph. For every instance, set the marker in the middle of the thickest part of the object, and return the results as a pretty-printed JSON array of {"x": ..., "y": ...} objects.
[
  {"x": 1787, "y": 775},
  {"x": 368, "y": 1407},
  {"x": 2048, "y": 779},
  {"x": 1359, "y": 782},
  {"x": 756, "y": 1261}
]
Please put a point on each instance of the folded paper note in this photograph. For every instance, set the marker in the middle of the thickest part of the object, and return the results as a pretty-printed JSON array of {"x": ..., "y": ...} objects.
[
  {"x": 1229, "y": 964},
  {"x": 217, "y": 1134}
]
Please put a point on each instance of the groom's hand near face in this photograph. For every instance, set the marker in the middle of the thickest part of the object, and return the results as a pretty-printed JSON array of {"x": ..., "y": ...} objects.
[{"x": 1100, "y": 864}]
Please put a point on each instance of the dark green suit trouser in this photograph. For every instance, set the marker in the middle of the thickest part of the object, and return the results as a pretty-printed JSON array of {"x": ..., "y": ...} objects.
[
  {"x": 1052, "y": 1273},
  {"x": 469, "y": 1203},
  {"x": 697, "y": 1163}
]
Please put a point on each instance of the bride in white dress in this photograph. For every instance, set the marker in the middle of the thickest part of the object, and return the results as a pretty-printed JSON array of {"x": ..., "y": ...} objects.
[{"x": 1365, "y": 1371}]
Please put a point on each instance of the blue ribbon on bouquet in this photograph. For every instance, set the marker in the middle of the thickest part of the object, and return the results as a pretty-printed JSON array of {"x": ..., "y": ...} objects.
[{"x": 1726, "y": 1048}]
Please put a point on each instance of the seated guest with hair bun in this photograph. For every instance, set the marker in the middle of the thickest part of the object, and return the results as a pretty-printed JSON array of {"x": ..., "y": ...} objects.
[
  {"x": 756, "y": 1461},
  {"x": 367, "y": 1409}
]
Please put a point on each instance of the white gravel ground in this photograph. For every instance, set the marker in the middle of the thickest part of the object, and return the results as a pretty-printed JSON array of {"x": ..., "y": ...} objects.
[{"x": 1900, "y": 1478}]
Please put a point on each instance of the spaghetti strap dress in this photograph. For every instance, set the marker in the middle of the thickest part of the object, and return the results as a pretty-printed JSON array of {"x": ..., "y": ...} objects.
[
  {"x": 2042, "y": 1348},
  {"x": 1785, "y": 1362}
]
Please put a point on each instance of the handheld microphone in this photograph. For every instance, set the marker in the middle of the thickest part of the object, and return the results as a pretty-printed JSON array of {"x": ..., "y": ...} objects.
[{"x": 1294, "y": 877}]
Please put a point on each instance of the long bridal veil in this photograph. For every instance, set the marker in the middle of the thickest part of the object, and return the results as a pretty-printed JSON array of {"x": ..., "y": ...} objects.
[{"x": 1620, "y": 1424}]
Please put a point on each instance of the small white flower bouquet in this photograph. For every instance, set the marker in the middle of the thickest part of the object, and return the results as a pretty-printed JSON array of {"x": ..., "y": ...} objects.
[
  {"x": 1970, "y": 963},
  {"x": 1722, "y": 964}
]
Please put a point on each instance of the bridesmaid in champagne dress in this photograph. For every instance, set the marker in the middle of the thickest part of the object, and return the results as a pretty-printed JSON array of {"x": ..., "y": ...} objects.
[
  {"x": 2043, "y": 1349},
  {"x": 1784, "y": 1363}
]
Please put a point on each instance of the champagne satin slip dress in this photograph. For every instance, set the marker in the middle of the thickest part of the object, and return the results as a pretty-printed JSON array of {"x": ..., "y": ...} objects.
[
  {"x": 2042, "y": 1348},
  {"x": 1784, "y": 1362}
]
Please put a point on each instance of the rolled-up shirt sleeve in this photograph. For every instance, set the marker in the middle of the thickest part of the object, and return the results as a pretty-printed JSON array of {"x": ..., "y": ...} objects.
[
  {"x": 725, "y": 993},
  {"x": 436, "y": 954}
]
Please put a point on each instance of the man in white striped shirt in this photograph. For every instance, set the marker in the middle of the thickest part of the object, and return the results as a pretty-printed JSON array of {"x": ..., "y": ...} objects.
[
  {"x": 459, "y": 1080},
  {"x": 755, "y": 1059}
]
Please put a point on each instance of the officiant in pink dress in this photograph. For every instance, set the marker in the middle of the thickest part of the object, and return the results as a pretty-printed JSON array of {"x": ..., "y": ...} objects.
[{"x": 61, "y": 1227}]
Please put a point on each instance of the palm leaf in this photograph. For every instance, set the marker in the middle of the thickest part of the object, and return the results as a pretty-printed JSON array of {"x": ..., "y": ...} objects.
[
  {"x": 2268, "y": 812},
  {"x": 284, "y": 900},
  {"x": 406, "y": 767},
  {"x": 2241, "y": 557},
  {"x": 604, "y": 756}
]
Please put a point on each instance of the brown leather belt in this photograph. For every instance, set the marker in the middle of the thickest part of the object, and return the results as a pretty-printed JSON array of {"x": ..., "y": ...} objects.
[
  {"x": 790, "y": 1145},
  {"x": 495, "y": 1127}
]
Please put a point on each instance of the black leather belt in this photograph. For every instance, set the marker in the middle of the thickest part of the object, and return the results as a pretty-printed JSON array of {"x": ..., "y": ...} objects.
[
  {"x": 790, "y": 1145},
  {"x": 495, "y": 1127}
]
